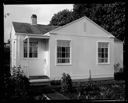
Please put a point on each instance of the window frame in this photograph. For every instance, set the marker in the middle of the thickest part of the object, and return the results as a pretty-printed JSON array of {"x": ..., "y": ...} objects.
[
  {"x": 28, "y": 54},
  {"x": 108, "y": 59},
  {"x": 70, "y": 63}
]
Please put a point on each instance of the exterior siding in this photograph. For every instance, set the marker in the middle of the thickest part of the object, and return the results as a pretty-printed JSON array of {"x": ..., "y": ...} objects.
[
  {"x": 78, "y": 28},
  {"x": 118, "y": 53},
  {"x": 83, "y": 45},
  {"x": 13, "y": 47},
  {"x": 84, "y": 36},
  {"x": 83, "y": 58},
  {"x": 34, "y": 66}
]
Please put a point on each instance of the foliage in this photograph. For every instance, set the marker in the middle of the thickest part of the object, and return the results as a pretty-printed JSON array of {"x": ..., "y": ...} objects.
[
  {"x": 19, "y": 83},
  {"x": 61, "y": 18},
  {"x": 101, "y": 90},
  {"x": 109, "y": 16},
  {"x": 119, "y": 74},
  {"x": 66, "y": 83},
  {"x": 55, "y": 82},
  {"x": 88, "y": 91},
  {"x": 117, "y": 68}
]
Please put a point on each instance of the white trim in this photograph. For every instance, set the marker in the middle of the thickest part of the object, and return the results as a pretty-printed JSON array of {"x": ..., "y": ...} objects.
[
  {"x": 30, "y": 58},
  {"x": 63, "y": 64},
  {"x": 36, "y": 36},
  {"x": 109, "y": 43},
  {"x": 76, "y": 34}
]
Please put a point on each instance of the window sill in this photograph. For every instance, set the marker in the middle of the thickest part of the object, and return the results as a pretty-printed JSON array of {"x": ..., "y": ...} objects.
[
  {"x": 30, "y": 58},
  {"x": 103, "y": 63},
  {"x": 63, "y": 64}
]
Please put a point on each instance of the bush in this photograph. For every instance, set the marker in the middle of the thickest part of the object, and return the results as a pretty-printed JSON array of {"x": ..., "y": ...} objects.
[
  {"x": 119, "y": 73},
  {"x": 66, "y": 83},
  {"x": 19, "y": 83},
  {"x": 89, "y": 91},
  {"x": 119, "y": 76}
]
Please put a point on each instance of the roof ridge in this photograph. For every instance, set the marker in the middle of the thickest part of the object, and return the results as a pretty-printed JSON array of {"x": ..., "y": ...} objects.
[
  {"x": 21, "y": 27},
  {"x": 36, "y": 24}
]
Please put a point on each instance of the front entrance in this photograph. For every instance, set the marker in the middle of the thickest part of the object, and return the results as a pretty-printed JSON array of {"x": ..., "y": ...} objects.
[{"x": 37, "y": 57}]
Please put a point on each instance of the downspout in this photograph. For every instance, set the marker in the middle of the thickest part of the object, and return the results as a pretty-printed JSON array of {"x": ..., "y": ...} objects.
[
  {"x": 10, "y": 53},
  {"x": 28, "y": 56}
]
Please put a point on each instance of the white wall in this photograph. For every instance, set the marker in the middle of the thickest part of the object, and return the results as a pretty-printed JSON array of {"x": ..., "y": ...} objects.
[
  {"x": 83, "y": 58},
  {"x": 35, "y": 66},
  {"x": 83, "y": 51},
  {"x": 118, "y": 53},
  {"x": 13, "y": 47},
  {"x": 77, "y": 28}
]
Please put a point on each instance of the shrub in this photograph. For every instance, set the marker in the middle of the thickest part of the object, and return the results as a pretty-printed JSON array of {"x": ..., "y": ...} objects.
[
  {"x": 66, "y": 83},
  {"x": 119, "y": 73},
  {"x": 19, "y": 83},
  {"x": 55, "y": 82},
  {"x": 88, "y": 91}
]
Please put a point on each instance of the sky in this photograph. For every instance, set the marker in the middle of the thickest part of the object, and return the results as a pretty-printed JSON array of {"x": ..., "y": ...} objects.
[{"x": 22, "y": 13}]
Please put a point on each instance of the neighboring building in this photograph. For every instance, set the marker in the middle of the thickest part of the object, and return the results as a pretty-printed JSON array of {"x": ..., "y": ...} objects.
[{"x": 75, "y": 48}]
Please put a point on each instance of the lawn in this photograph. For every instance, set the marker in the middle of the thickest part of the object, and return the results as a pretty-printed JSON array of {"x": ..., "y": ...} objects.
[{"x": 98, "y": 90}]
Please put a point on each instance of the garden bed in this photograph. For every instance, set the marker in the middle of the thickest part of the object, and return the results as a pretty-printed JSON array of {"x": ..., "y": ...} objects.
[{"x": 98, "y": 90}]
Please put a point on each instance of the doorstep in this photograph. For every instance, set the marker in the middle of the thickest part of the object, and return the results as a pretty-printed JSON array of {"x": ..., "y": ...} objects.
[{"x": 38, "y": 82}]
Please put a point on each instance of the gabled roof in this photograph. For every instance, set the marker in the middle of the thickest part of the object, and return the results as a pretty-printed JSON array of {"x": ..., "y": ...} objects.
[
  {"x": 84, "y": 17},
  {"x": 32, "y": 29}
]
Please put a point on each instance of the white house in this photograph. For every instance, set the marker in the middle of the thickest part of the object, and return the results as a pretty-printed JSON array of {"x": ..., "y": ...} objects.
[{"x": 75, "y": 48}]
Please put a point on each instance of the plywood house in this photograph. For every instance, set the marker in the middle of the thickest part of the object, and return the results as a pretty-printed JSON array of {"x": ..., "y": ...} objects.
[{"x": 75, "y": 48}]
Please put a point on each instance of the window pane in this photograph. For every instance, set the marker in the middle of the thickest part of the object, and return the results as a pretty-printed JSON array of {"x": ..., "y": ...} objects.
[
  {"x": 67, "y": 55},
  {"x": 33, "y": 49},
  {"x": 59, "y": 61},
  {"x": 25, "y": 49},
  {"x": 67, "y": 61},
  {"x": 106, "y": 50},
  {"x": 67, "y": 49},
  {"x": 25, "y": 54},
  {"x": 63, "y": 55},
  {"x": 106, "y": 55},
  {"x": 63, "y": 51},
  {"x": 59, "y": 54},
  {"x": 102, "y": 52},
  {"x": 63, "y": 60},
  {"x": 99, "y": 50}
]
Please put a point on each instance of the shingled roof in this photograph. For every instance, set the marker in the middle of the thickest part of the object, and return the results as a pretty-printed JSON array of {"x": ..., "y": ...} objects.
[{"x": 32, "y": 29}]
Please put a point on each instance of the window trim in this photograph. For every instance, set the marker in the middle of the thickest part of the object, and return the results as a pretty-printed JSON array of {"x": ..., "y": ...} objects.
[
  {"x": 70, "y": 63},
  {"x": 103, "y": 41},
  {"x": 28, "y": 49}
]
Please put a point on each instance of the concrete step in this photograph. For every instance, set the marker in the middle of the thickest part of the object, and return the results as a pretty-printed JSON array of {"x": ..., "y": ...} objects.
[
  {"x": 39, "y": 77},
  {"x": 39, "y": 82}
]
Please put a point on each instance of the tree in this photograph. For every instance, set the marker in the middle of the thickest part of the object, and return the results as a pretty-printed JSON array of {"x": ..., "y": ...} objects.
[
  {"x": 109, "y": 16},
  {"x": 61, "y": 18}
]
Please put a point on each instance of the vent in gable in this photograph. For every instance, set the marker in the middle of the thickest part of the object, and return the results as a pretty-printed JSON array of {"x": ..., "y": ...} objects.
[{"x": 84, "y": 27}]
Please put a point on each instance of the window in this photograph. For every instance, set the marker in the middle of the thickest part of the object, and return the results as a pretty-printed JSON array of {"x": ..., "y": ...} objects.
[
  {"x": 103, "y": 52},
  {"x": 63, "y": 51},
  {"x": 25, "y": 49},
  {"x": 33, "y": 47}
]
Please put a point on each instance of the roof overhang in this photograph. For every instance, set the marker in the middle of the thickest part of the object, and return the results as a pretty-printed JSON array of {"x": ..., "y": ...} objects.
[{"x": 37, "y": 36}]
